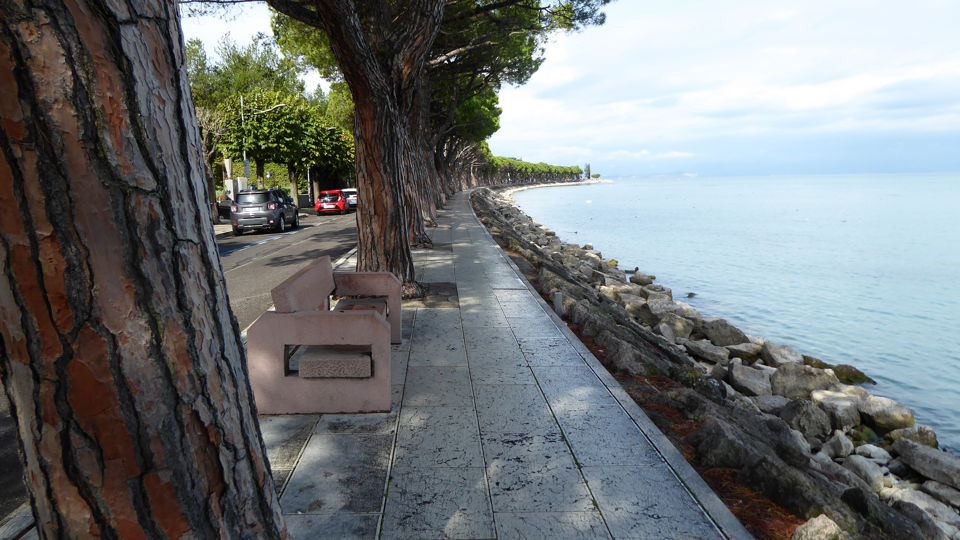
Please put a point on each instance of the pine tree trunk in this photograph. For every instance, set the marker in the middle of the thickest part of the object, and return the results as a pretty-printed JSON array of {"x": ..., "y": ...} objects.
[
  {"x": 292, "y": 182},
  {"x": 118, "y": 350},
  {"x": 381, "y": 48},
  {"x": 382, "y": 220},
  {"x": 259, "y": 173}
]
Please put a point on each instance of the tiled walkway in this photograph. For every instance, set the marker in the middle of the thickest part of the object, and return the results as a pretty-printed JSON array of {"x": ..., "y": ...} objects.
[{"x": 504, "y": 426}]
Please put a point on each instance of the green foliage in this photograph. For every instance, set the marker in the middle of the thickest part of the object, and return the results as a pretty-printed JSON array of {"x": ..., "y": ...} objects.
[
  {"x": 311, "y": 47},
  {"x": 259, "y": 65},
  {"x": 478, "y": 117},
  {"x": 339, "y": 109},
  {"x": 595, "y": 176},
  {"x": 300, "y": 40},
  {"x": 515, "y": 170},
  {"x": 586, "y": 174},
  {"x": 294, "y": 133}
]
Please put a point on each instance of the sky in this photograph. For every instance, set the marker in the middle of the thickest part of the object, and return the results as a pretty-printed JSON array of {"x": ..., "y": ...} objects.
[{"x": 733, "y": 88}]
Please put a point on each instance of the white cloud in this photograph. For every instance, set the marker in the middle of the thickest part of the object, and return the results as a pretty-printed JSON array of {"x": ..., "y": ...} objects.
[
  {"x": 681, "y": 84},
  {"x": 689, "y": 79}
]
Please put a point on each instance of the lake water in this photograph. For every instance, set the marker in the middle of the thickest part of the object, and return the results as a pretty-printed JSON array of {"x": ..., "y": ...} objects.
[{"x": 851, "y": 269}]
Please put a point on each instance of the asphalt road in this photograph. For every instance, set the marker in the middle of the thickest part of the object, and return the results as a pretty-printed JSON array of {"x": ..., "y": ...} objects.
[
  {"x": 253, "y": 264},
  {"x": 257, "y": 262}
]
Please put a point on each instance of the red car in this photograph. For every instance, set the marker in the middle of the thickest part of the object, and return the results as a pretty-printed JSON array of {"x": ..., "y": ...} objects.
[{"x": 332, "y": 201}]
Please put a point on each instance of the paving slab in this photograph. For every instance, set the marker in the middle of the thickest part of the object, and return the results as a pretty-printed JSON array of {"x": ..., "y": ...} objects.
[
  {"x": 339, "y": 474},
  {"x": 534, "y": 473},
  {"x": 285, "y": 437},
  {"x": 554, "y": 525},
  {"x": 438, "y": 437},
  {"x": 438, "y": 503},
  {"x": 645, "y": 502},
  {"x": 552, "y": 352},
  {"x": 429, "y": 386},
  {"x": 499, "y": 408},
  {"x": 335, "y": 526},
  {"x": 536, "y": 325},
  {"x": 572, "y": 388}
]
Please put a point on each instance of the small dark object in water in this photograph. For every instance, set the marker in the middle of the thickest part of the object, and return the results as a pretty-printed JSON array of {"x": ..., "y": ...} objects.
[{"x": 691, "y": 294}]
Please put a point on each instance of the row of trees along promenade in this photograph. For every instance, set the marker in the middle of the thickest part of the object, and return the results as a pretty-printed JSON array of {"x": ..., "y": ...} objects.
[{"x": 118, "y": 351}]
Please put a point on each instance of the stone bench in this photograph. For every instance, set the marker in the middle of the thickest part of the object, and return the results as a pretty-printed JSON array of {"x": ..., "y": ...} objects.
[{"x": 305, "y": 358}]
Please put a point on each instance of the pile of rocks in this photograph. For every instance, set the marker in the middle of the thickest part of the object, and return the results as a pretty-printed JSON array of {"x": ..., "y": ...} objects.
[{"x": 796, "y": 428}]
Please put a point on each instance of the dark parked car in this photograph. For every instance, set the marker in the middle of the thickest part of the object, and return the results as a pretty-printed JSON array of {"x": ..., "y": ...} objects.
[
  {"x": 264, "y": 209},
  {"x": 223, "y": 208}
]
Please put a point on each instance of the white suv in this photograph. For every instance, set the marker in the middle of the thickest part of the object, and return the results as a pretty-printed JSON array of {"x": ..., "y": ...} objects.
[{"x": 351, "y": 195}]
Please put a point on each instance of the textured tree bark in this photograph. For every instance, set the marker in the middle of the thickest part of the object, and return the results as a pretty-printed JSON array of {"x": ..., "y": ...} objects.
[
  {"x": 118, "y": 350},
  {"x": 381, "y": 48}
]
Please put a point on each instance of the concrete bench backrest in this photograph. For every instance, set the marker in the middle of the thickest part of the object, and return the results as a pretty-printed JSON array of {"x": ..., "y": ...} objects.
[{"x": 307, "y": 290}]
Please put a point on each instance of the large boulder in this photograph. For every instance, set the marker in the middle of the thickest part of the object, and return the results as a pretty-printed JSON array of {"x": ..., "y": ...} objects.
[
  {"x": 942, "y": 493},
  {"x": 877, "y": 454},
  {"x": 891, "y": 522},
  {"x": 656, "y": 292},
  {"x": 632, "y": 303},
  {"x": 652, "y": 312},
  {"x": 721, "y": 333},
  {"x": 590, "y": 274},
  {"x": 806, "y": 418},
  {"x": 682, "y": 327},
  {"x": 748, "y": 351},
  {"x": 945, "y": 516},
  {"x": 626, "y": 358},
  {"x": 867, "y": 470},
  {"x": 928, "y": 526},
  {"x": 921, "y": 434},
  {"x": 851, "y": 375},
  {"x": 838, "y": 447},
  {"x": 804, "y": 495},
  {"x": 934, "y": 464},
  {"x": 591, "y": 259},
  {"x": 770, "y": 404},
  {"x": 639, "y": 278},
  {"x": 885, "y": 413},
  {"x": 721, "y": 444},
  {"x": 687, "y": 310},
  {"x": 666, "y": 332},
  {"x": 843, "y": 409},
  {"x": 776, "y": 355},
  {"x": 795, "y": 380},
  {"x": 818, "y": 528},
  {"x": 612, "y": 273},
  {"x": 750, "y": 381},
  {"x": 616, "y": 289},
  {"x": 707, "y": 351}
]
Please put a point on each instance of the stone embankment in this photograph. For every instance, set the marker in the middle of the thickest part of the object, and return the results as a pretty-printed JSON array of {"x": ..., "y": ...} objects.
[{"x": 797, "y": 430}]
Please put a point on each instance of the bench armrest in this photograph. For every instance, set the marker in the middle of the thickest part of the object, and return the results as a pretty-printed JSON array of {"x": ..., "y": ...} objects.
[{"x": 374, "y": 284}]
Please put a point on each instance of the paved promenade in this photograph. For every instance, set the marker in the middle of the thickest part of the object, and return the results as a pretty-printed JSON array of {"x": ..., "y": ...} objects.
[{"x": 504, "y": 426}]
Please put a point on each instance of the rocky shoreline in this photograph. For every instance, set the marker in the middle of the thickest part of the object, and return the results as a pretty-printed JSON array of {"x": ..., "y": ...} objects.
[{"x": 798, "y": 430}]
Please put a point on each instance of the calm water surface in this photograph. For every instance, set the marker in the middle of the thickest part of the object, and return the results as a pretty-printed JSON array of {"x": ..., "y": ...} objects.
[{"x": 852, "y": 269}]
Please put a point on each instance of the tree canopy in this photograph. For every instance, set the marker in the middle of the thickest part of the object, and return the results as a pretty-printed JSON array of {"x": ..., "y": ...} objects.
[{"x": 260, "y": 65}]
